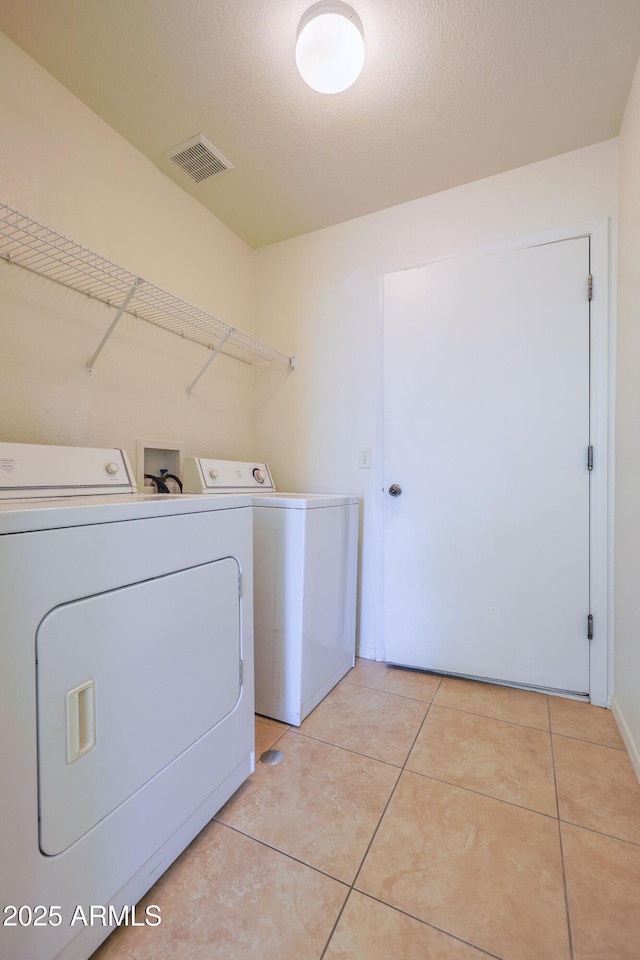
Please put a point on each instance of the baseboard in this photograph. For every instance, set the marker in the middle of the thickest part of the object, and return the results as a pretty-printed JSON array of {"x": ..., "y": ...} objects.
[
  {"x": 625, "y": 733},
  {"x": 367, "y": 653}
]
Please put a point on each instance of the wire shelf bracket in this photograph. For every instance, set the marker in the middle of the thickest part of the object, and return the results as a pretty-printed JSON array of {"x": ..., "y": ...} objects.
[
  {"x": 206, "y": 366},
  {"x": 35, "y": 247},
  {"x": 112, "y": 326}
]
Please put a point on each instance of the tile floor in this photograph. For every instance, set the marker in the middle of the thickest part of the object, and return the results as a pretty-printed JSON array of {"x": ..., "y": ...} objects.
[{"x": 414, "y": 818}]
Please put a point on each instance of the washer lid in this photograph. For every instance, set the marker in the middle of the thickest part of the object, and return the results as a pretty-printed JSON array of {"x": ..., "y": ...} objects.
[{"x": 300, "y": 501}]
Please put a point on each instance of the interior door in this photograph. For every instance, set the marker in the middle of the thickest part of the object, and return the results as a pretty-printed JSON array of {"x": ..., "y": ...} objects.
[{"x": 486, "y": 429}]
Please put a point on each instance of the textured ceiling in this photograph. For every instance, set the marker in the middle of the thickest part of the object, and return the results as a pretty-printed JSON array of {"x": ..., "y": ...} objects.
[{"x": 452, "y": 91}]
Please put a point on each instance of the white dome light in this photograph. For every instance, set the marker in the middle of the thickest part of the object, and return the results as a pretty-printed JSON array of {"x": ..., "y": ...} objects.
[{"x": 330, "y": 47}]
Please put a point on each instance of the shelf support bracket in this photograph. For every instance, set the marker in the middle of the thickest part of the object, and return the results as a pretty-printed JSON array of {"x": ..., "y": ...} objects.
[
  {"x": 113, "y": 325},
  {"x": 210, "y": 360}
]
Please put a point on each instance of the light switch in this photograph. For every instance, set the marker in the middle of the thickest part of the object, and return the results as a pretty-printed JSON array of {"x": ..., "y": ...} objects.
[{"x": 364, "y": 458}]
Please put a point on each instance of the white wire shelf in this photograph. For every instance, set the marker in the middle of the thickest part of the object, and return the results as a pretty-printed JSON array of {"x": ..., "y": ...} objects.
[{"x": 33, "y": 246}]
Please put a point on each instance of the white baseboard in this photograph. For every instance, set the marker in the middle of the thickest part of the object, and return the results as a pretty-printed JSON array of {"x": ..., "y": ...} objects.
[
  {"x": 366, "y": 652},
  {"x": 625, "y": 733}
]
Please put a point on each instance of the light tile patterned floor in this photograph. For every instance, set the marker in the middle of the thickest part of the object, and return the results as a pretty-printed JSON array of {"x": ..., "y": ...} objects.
[{"x": 414, "y": 818}]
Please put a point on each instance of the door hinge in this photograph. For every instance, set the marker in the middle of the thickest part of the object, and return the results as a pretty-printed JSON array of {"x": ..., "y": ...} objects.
[
  {"x": 590, "y": 627},
  {"x": 241, "y": 673},
  {"x": 589, "y": 457},
  {"x": 590, "y": 287},
  {"x": 240, "y": 585}
]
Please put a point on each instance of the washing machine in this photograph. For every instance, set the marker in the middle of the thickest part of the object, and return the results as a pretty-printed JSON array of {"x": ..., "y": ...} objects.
[
  {"x": 305, "y": 581},
  {"x": 126, "y": 688}
]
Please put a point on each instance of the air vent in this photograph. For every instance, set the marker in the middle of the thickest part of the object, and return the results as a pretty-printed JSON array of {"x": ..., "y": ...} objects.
[{"x": 199, "y": 159}]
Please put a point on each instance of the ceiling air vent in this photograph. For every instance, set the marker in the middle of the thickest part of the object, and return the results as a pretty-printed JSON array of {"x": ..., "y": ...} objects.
[{"x": 199, "y": 159}]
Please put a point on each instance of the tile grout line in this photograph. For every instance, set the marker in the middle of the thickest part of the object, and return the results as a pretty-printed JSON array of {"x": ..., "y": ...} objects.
[
  {"x": 377, "y": 827},
  {"x": 338, "y": 746},
  {"x": 600, "y": 833},
  {"x": 297, "y": 732},
  {"x": 428, "y": 776},
  {"x": 564, "y": 872},
  {"x": 400, "y": 769},
  {"x": 574, "y": 823},
  {"x": 366, "y": 686},
  {"x": 473, "y": 713},
  {"x": 594, "y": 743},
  {"x": 278, "y": 724},
  {"x": 440, "y": 706},
  {"x": 478, "y": 793},
  {"x": 277, "y": 740},
  {"x": 432, "y": 926},
  {"x": 386, "y": 693},
  {"x": 404, "y": 768},
  {"x": 516, "y": 723},
  {"x": 282, "y": 853},
  {"x": 353, "y": 888}
]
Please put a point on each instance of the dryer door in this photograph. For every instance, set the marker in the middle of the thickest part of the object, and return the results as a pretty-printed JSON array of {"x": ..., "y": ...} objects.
[{"x": 127, "y": 681}]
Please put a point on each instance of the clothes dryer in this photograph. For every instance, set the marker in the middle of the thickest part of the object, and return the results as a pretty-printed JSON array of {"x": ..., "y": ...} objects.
[
  {"x": 305, "y": 580},
  {"x": 126, "y": 686}
]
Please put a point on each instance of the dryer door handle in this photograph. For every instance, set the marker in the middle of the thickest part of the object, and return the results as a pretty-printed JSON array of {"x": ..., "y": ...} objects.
[{"x": 81, "y": 720}]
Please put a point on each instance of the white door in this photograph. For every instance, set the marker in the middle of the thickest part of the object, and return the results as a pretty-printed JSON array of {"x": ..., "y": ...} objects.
[{"x": 486, "y": 429}]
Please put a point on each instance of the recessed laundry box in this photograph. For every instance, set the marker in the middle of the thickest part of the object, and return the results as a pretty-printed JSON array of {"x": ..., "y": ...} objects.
[{"x": 305, "y": 580}]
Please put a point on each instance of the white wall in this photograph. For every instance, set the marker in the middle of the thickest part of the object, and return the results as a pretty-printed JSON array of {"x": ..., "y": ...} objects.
[
  {"x": 318, "y": 295},
  {"x": 63, "y": 166},
  {"x": 626, "y": 704}
]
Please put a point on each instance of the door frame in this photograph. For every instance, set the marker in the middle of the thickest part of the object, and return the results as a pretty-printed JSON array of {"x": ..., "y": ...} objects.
[{"x": 602, "y": 411}]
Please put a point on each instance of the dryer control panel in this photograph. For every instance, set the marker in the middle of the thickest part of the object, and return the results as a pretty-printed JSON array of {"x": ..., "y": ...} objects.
[
  {"x": 31, "y": 470},
  {"x": 225, "y": 476}
]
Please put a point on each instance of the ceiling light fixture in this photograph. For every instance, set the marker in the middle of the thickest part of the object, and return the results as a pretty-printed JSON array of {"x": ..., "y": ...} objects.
[{"x": 330, "y": 47}]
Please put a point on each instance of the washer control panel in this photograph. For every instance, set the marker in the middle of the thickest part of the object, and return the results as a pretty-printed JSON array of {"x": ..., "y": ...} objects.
[{"x": 225, "y": 476}]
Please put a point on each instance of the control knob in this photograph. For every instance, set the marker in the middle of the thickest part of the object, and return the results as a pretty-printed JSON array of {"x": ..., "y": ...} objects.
[
  {"x": 213, "y": 474},
  {"x": 259, "y": 474},
  {"x": 112, "y": 468}
]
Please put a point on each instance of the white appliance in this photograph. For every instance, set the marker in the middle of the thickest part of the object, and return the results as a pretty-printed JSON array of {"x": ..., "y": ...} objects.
[
  {"x": 126, "y": 686},
  {"x": 305, "y": 576}
]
